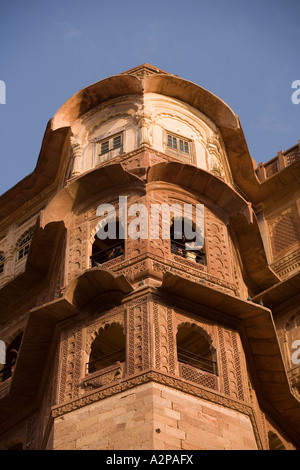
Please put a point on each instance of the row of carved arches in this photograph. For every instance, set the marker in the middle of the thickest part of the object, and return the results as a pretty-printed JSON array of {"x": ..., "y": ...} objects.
[{"x": 194, "y": 348}]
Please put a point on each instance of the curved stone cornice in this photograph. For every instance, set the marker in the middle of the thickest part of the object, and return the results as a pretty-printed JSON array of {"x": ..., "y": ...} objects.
[
  {"x": 205, "y": 101},
  {"x": 86, "y": 186},
  {"x": 202, "y": 182},
  {"x": 92, "y": 283},
  {"x": 92, "y": 96}
]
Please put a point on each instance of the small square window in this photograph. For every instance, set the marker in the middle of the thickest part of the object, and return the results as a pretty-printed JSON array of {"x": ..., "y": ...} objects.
[
  {"x": 179, "y": 147},
  {"x": 109, "y": 148}
]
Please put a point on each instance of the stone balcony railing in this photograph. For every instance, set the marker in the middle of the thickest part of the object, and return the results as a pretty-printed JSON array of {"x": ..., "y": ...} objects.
[
  {"x": 200, "y": 377},
  {"x": 278, "y": 163}
]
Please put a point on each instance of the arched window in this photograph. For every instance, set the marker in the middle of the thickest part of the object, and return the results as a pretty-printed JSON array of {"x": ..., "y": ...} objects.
[
  {"x": 112, "y": 247},
  {"x": 12, "y": 352},
  {"x": 108, "y": 348},
  {"x": 2, "y": 262},
  {"x": 184, "y": 245},
  {"x": 195, "y": 349},
  {"x": 24, "y": 245}
]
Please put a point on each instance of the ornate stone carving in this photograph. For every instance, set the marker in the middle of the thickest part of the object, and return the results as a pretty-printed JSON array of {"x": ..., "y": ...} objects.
[
  {"x": 164, "y": 350},
  {"x": 284, "y": 231},
  {"x": 138, "y": 336},
  {"x": 77, "y": 250},
  {"x": 217, "y": 247},
  {"x": 103, "y": 377}
]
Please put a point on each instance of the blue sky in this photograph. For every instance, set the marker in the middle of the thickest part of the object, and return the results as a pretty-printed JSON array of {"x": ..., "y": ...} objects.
[{"x": 245, "y": 52}]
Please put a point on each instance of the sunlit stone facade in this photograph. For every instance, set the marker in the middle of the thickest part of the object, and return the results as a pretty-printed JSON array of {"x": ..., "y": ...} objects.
[{"x": 139, "y": 342}]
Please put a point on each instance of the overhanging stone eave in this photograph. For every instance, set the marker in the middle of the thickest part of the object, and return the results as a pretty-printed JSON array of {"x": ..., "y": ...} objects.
[
  {"x": 86, "y": 186},
  {"x": 94, "y": 95},
  {"x": 94, "y": 282},
  {"x": 202, "y": 182},
  {"x": 280, "y": 292},
  {"x": 257, "y": 324}
]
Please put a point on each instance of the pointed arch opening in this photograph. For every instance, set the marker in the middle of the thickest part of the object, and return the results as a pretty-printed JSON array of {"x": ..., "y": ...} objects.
[
  {"x": 195, "y": 349},
  {"x": 108, "y": 348},
  {"x": 113, "y": 246}
]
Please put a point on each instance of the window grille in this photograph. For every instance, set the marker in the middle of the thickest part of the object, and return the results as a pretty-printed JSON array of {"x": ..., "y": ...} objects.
[
  {"x": 179, "y": 147},
  {"x": 24, "y": 245},
  {"x": 109, "y": 148}
]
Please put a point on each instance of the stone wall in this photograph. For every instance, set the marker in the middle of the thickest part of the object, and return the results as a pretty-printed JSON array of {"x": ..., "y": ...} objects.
[{"x": 153, "y": 416}]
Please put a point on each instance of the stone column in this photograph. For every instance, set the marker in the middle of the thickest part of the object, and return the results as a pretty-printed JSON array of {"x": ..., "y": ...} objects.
[
  {"x": 144, "y": 122},
  {"x": 77, "y": 154}
]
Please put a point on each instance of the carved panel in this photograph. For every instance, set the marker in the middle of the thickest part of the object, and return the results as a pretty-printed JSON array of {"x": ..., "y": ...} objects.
[
  {"x": 192, "y": 374},
  {"x": 164, "y": 347},
  {"x": 71, "y": 346},
  {"x": 77, "y": 246},
  {"x": 231, "y": 367},
  {"x": 103, "y": 377},
  {"x": 138, "y": 357},
  {"x": 217, "y": 247}
]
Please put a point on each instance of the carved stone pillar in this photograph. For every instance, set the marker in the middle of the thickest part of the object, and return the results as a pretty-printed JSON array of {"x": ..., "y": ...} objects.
[
  {"x": 9, "y": 258},
  {"x": 77, "y": 154},
  {"x": 144, "y": 122}
]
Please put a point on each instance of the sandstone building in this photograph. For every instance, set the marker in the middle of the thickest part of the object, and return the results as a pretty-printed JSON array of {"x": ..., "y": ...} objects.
[{"x": 139, "y": 343}]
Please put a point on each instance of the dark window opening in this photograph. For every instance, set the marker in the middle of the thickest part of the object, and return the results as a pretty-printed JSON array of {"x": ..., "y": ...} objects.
[
  {"x": 185, "y": 247},
  {"x": 2, "y": 260},
  {"x": 107, "y": 349},
  {"x": 11, "y": 358},
  {"x": 108, "y": 249},
  {"x": 194, "y": 349}
]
